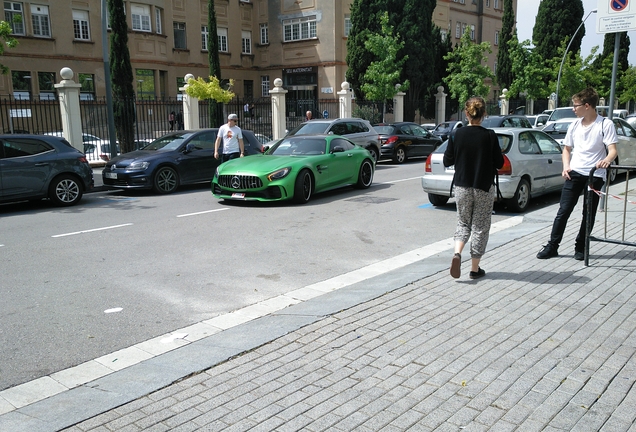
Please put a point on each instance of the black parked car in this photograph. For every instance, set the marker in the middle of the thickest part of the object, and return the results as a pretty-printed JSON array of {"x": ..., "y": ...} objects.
[
  {"x": 178, "y": 158},
  {"x": 404, "y": 140},
  {"x": 40, "y": 166},
  {"x": 508, "y": 121}
]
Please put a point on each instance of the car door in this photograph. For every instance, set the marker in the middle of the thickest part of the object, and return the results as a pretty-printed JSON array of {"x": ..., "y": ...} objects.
[
  {"x": 531, "y": 162},
  {"x": 26, "y": 167},
  {"x": 551, "y": 151},
  {"x": 356, "y": 132},
  {"x": 425, "y": 141},
  {"x": 340, "y": 167},
  {"x": 626, "y": 146},
  {"x": 199, "y": 164}
]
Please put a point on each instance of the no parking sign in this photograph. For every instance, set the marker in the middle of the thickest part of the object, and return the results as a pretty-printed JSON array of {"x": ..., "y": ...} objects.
[{"x": 615, "y": 16}]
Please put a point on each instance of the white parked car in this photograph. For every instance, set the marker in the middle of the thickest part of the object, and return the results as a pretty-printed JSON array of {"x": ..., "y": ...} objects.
[
  {"x": 97, "y": 150},
  {"x": 532, "y": 167}
]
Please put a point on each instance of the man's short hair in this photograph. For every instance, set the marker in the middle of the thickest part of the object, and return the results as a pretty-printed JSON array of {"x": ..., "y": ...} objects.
[{"x": 587, "y": 96}]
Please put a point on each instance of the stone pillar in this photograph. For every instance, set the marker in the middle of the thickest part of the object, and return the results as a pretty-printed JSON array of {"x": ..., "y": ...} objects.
[
  {"x": 504, "y": 103},
  {"x": 190, "y": 107},
  {"x": 279, "y": 110},
  {"x": 346, "y": 98},
  {"x": 68, "y": 94},
  {"x": 552, "y": 101},
  {"x": 440, "y": 105},
  {"x": 529, "y": 106},
  {"x": 398, "y": 105}
]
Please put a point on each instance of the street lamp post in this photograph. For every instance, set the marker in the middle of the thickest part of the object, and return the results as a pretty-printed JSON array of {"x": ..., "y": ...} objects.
[{"x": 566, "y": 53}]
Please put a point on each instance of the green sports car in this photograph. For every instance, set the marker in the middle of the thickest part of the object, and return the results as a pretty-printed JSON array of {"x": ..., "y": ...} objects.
[{"x": 295, "y": 168}]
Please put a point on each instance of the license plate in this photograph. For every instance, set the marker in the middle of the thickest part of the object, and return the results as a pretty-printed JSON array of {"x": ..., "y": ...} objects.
[
  {"x": 109, "y": 175},
  {"x": 238, "y": 195}
]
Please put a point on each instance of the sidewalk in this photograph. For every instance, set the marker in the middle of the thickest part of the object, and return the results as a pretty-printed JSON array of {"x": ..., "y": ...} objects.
[{"x": 535, "y": 345}]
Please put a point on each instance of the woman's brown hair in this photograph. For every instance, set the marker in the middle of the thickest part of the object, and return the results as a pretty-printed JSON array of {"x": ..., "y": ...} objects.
[{"x": 476, "y": 107}]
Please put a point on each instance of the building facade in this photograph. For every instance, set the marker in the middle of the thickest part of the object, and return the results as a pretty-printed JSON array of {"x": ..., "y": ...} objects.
[{"x": 301, "y": 41}]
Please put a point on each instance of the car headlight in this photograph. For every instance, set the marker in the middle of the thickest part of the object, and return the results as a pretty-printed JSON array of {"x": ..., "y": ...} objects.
[
  {"x": 277, "y": 175},
  {"x": 216, "y": 173},
  {"x": 138, "y": 166}
]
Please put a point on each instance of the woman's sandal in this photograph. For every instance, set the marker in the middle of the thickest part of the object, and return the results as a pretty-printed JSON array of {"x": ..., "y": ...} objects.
[{"x": 456, "y": 266}]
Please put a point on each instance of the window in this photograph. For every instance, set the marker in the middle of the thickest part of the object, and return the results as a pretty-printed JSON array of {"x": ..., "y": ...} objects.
[
  {"x": 222, "y": 35},
  {"x": 496, "y": 4},
  {"x": 40, "y": 20},
  {"x": 248, "y": 89},
  {"x": 87, "y": 89},
  {"x": 179, "y": 35},
  {"x": 80, "y": 25},
  {"x": 443, "y": 34},
  {"x": 494, "y": 69},
  {"x": 464, "y": 25},
  {"x": 265, "y": 85},
  {"x": 20, "y": 147},
  {"x": 299, "y": 29},
  {"x": 458, "y": 30},
  {"x": 264, "y": 34},
  {"x": 497, "y": 37},
  {"x": 347, "y": 25},
  {"x": 46, "y": 82},
  {"x": 472, "y": 32},
  {"x": 13, "y": 15},
  {"x": 145, "y": 83},
  {"x": 204, "y": 38},
  {"x": 487, "y": 3},
  {"x": 140, "y": 17},
  {"x": 246, "y": 42},
  {"x": 21, "y": 84},
  {"x": 158, "y": 20}
]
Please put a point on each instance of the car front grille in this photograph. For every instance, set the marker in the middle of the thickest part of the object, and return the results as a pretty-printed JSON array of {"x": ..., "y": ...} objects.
[{"x": 240, "y": 182}]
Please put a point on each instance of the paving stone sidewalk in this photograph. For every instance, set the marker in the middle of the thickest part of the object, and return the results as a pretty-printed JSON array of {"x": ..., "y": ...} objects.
[{"x": 537, "y": 345}]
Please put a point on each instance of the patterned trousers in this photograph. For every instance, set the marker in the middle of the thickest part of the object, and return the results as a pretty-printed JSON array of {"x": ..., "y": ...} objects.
[{"x": 474, "y": 213}]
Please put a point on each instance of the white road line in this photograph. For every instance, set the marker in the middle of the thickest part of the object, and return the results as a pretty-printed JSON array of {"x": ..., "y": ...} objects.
[
  {"x": 91, "y": 230},
  {"x": 199, "y": 213},
  {"x": 399, "y": 181}
]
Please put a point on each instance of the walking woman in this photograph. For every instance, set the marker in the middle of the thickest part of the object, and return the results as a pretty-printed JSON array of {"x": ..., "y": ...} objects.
[{"x": 476, "y": 155}]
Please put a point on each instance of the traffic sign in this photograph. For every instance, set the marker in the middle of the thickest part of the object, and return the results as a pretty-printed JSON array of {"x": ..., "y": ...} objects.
[{"x": 615, "y": 16}]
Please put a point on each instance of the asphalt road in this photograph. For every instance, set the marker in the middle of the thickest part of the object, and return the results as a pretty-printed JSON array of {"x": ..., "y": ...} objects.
[{"x": 172, "y": 261}]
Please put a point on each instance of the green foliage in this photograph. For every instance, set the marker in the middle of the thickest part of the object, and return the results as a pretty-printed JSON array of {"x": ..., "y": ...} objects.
[
  {"x": 216, "y": 110},
  {"x": 121, "y": 77},
  {"x": 628, "y": 84},
  {"x": 504, "y": 63},
  {"x": 212, "y": 89},
  {"x": 6, "y": 40},
  {"x": 529, "y": 70},
  {"x": 556, "y": 21},
  {"x": 367, "y": 112},
  {"x": 466, "y": 70},
  {"x": 382, "y": 75},
  {"x": 439, "y": 48}
]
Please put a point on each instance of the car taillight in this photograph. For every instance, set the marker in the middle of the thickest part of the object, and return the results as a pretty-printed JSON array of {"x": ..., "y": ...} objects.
[
  {"x": 506, "y": 169},
  {"x": 391, "y": 139},
  {"x": 82, "y": 159},
  {"x": 104, "y": 157},
  {"x": 427, "y": 165}
]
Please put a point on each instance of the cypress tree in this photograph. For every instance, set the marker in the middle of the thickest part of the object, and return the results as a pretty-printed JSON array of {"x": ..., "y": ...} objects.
[
  {"x": 556, "y": 22},
  {"x": 504, "y": 64},
  {"x": 215, "y": 108}
]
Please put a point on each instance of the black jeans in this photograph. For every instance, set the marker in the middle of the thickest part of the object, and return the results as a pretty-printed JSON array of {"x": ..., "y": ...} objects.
[
  {"x": 226, "y": 157},
  {"x": 569, "y": 198}
]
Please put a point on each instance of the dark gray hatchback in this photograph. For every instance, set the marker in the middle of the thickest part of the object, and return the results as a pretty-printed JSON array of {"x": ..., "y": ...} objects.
[{"x": 40, "y": 166}]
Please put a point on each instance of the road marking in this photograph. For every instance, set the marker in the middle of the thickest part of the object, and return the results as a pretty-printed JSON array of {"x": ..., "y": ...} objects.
[
  {"x": 399, "y": 181},
  {"x": 425, "y": 205},
  {"x": 33, "y": 391},
  {"x": 202, "y": 212},
  {"x": 91, "y": 230}
]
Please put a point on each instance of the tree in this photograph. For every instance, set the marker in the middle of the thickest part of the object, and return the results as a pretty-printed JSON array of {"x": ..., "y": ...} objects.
[
  {"x": 440, "y": 48},
  {"x": 382, "y": 76},
  {"x": 216, "y": 110},
  {"x": 6, "y": 40},
  {"x": 557, "y": 21},
  {"x": 504, "y": 64},
  {"x": 530, "y": 72},
  {"x": 211, "y": 90},
  {"x": 467, "y": 71},
  {"x": 122, "y": 77},
  {"x": 601, "y": 67}
]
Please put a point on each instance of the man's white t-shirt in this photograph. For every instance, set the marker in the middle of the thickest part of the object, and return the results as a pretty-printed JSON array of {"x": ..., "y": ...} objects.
[
  {"x": 589, "y": 144},
  {"x": 230, "y": 137}
]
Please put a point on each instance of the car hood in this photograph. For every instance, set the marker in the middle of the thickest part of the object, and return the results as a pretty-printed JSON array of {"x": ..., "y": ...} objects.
[
  {"x": 258, "y": 164},
  {"x": 144, "y": 155}
]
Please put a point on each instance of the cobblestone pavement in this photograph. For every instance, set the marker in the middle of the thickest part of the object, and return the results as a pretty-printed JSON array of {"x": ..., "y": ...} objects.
[{"x": 536, "y": 345}]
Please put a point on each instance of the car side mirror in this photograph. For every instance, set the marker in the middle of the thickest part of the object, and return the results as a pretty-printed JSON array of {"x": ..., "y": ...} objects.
[
  {"x": 265, "y": 148},
  {"x": 190, "y": 148},
  {"x": 337, "y": 149}
]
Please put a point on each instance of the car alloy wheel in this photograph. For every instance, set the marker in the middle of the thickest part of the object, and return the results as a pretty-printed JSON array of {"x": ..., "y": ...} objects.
[
  {"x": 65, "y": 191},
  {"x": 303, "y": 187},
  {"x": 365, "y": 175},
  {"x": 519, "y": 203},
  {"x": 400, "y": 155},
  {"x": 166, "y": 180}
]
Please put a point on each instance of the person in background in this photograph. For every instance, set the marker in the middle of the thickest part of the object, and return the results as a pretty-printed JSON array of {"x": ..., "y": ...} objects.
[
  {"x": 179, "y": 119},
  {"x": 589, "y": 142},
  {"x": 476, "y": 155},
  {"x": 308, "y": 116},
  {"x": 232, "y": 137},
  {"x": 171, "y": 120}
]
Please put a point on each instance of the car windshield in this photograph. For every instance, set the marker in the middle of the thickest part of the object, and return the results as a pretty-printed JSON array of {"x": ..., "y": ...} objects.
[
  {"x": 561, "y": 126},
  {"x": 562, "y": 113},
  {"x": 168, "y": 142},
  {"x": 309, "y": 128},
  {"x": 299, "y": 147},
  {"x": 385, "y": 130}
]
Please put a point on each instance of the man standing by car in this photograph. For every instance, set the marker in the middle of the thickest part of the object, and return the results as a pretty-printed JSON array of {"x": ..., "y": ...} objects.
[
  {"x": 589, "y": 142},
  {"x": 232, "y": 137}
]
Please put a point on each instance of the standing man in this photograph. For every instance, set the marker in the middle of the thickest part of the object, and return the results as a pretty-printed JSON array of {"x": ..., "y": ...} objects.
[
  {"x": 589, "y": 142},
  {"x": 232, "y": 137},
  {"x": 179, "y": 119},
  {"x": 308, "y": 116}
]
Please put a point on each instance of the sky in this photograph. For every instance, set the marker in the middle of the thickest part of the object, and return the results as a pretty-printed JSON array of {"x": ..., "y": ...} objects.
[{"x": 529, "y": 8}]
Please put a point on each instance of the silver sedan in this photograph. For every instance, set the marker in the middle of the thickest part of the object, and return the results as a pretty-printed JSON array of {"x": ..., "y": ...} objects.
[{"x": 532, "y": 167}]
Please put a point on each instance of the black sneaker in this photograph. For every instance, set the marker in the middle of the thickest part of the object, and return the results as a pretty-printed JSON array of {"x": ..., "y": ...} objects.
[
  {"x": 548, "y": 251},
  {"x": 478, "y": 274},
  {"x": 579, "y": 256}
]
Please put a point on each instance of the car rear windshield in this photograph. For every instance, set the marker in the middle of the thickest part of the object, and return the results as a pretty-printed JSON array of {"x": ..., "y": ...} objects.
[
  {"x": 505, "y": 141},
  {"x": 385, "y": 130},
  {"x": 309, "y": 128}
]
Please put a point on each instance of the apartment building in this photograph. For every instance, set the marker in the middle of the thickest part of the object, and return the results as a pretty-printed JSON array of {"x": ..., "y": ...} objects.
[{"x": 301, "y": 41}]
